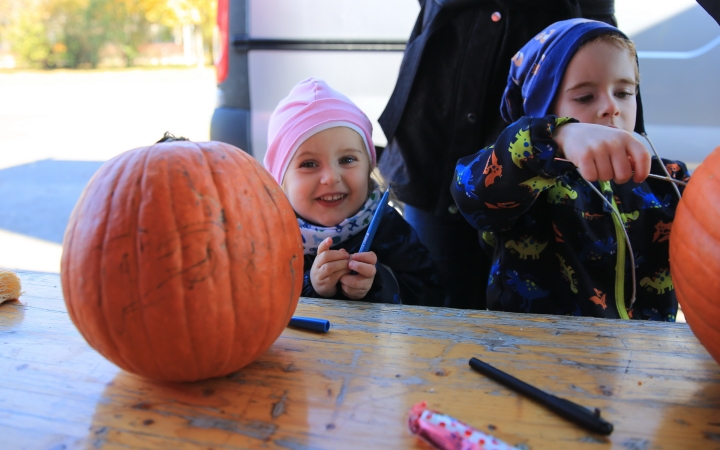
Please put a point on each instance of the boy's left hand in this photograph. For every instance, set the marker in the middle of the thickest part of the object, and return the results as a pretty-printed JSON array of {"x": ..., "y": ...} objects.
[{"x": 357, "y": 286}]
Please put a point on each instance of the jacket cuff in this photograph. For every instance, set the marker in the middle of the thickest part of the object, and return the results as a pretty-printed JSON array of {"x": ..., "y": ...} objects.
[{"x": 545, "y": 148}]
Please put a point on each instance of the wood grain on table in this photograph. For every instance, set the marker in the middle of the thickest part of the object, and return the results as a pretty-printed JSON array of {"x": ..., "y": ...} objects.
[{"x": 353, "y": 387}]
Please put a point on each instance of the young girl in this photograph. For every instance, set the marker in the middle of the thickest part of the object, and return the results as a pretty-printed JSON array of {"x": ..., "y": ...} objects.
[
  {"x": 590, "y": 241},
  {"x": 320, "y": 151}
]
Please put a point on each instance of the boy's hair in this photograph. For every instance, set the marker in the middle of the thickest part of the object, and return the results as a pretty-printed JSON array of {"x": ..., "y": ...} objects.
[
  {"x": 621, "y": 41},
  {"x": 537, "y": 70}
]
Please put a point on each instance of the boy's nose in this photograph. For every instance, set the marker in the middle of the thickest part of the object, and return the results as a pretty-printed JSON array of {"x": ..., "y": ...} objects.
[{"x": 609, "y": 107}]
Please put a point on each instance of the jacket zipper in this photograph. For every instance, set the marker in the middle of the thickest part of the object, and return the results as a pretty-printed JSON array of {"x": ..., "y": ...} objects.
[{"x": 621, "y": 249}]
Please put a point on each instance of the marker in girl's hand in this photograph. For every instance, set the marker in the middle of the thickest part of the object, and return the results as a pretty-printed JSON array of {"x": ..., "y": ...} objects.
[{"x": 374, "y": 223}]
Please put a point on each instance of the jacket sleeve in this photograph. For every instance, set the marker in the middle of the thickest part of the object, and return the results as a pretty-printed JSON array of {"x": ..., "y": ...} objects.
[
  {"x": 499, "y": 183},
  {"x": 307, "y": 287},
  {"x": 398, "y": 247}
]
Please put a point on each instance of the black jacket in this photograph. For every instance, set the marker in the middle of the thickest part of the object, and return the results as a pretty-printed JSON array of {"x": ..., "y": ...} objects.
[
  {"x": 413, "y": 280},
  {"x": 447, "y": 98}
]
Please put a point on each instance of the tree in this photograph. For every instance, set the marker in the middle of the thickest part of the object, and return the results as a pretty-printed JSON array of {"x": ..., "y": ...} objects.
[{"x": 70, "y": 33}]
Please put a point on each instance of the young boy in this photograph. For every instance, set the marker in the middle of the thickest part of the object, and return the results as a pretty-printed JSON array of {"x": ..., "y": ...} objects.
[
  {"x": 557, "y": 246},
  {"x": 320, "y": 151}
]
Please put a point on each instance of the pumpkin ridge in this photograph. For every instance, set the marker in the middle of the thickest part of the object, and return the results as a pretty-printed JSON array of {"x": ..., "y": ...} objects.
[
  {"x": 687, "y": 284},
  {"x": 700, "y": 200},
  {"x": 118, "y": 351},
  {"x": 260, "y": 217},
  {"x": 228, "y": 353},
  {"x": 701, "y": 232},
  {"x": 142, "y": 295},
  {"x": 701, "y": 327},
  {"x": 136, "y": 214},
  {"x": 260, "y": 172},
  {"x": 183, "y": 301}
]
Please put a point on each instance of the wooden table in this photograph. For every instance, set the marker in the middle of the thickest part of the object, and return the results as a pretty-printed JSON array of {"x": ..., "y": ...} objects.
[{"x": 353, "y": 387}]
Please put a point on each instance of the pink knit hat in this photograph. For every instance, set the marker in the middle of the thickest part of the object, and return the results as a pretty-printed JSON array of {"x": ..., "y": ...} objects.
[{"x": 311, "y": 107}]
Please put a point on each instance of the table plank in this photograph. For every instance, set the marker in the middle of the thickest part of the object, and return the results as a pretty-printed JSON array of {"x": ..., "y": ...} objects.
[{"x": 353, "y": 387}]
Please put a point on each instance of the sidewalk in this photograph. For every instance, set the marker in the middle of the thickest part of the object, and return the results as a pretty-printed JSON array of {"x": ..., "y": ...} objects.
[{"x": 56, "y": 129}]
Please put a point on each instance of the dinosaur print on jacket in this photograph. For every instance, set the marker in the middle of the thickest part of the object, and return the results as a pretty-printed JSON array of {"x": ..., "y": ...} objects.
[
  {"x": 627, "y": 217},
  {"x": 464, "y": 178},
  {"x": 527, "y": 247},
  {"x": 661, "y": 282},
  {"x": 596, "y": 250},
  {"x": 489, "y": 238},
  {"x": 560, "y": 192},
  {"x": 492, "y": 170},
  {"x": 650, "y": 201},
  {"x": 662, "y": 231},
  {"x": 567, "y": 274},
  {"x": 538, "y": 184},
  {"x": 526, "y": 288},
  {"x": 599, "y": 298},
  {"x": 494, "y": 273},
  {"x": 520, "y": 149}
]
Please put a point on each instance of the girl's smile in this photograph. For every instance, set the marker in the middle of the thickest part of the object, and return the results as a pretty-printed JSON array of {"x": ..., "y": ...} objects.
[
  {"x": 331, "y": 200},
  {"x": 328, "y": 178}
]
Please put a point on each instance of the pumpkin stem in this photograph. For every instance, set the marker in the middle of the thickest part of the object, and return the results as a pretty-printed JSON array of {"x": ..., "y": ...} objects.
[{"x": 169, "y": 137}]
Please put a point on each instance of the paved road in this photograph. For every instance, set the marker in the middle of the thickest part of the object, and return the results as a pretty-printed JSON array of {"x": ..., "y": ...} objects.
[{"x": 57, "y": 128}]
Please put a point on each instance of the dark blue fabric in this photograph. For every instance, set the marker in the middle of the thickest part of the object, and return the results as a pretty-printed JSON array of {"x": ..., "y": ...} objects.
[
  {"x": 455, "y": 249},
  {"x": 553, "y": 241},
  {"x": 413, "y": 280},
  {"x": 537, "y": 70}
]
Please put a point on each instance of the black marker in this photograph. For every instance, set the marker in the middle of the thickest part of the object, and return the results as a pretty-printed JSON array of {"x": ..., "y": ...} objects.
[{"x": 567, "y": 409}]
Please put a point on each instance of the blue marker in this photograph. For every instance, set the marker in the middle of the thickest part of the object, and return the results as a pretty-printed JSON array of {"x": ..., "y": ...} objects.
[
  {"x": 374, "y": 223},
  {"x": 309, "y": 323}
]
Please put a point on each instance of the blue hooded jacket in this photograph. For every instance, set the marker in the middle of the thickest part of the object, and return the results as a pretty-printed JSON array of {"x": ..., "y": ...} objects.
[{"x": 556, "y": 246}]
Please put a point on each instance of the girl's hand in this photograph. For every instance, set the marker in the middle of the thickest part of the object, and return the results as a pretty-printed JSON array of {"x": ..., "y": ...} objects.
[
  {"x": 328, "y": 267},
  {"x": 357, "y": 286},
  {"x": 603, "y": 153}
]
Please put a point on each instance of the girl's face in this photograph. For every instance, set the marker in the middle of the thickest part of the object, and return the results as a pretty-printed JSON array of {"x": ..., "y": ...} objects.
[
  {"x": 327, "y": 179},
  {"x": 599, "y": 87}
]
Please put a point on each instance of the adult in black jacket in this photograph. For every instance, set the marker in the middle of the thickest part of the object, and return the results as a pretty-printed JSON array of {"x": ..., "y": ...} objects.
[{"x": 446, "y": 106}]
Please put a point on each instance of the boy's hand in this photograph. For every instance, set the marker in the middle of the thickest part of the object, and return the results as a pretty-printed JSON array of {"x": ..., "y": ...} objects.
[
  {"x": 328, "y": 267},
  {"x": 357, "y": 286},
  {"x": 603, "y": 153}
]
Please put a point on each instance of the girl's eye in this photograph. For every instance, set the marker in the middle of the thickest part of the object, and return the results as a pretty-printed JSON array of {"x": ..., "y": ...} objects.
[
  {"x": 624, "y": 94},
  {"x": 308, "y": 164},
  {"x": 347, "y": 159}
]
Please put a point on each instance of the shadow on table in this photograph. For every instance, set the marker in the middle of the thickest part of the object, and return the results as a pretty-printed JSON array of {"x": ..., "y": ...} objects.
[
  {"x": 38, "y": 197},
  {"x": 260, "y": 403}
]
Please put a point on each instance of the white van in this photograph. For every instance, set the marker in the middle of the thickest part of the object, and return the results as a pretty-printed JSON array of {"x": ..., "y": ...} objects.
[{"x": 267, "y": 46}]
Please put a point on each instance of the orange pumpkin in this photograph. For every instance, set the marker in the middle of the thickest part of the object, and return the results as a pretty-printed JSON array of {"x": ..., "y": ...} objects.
[
  {"x": 182, "y": 261},
  {"x": 694, "y": 256}
]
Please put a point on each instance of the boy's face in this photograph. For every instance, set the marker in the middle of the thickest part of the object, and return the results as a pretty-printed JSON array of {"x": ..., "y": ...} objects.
[
  {"x": 599, "y": 87},
  {"x": 327, "y": 179}
]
